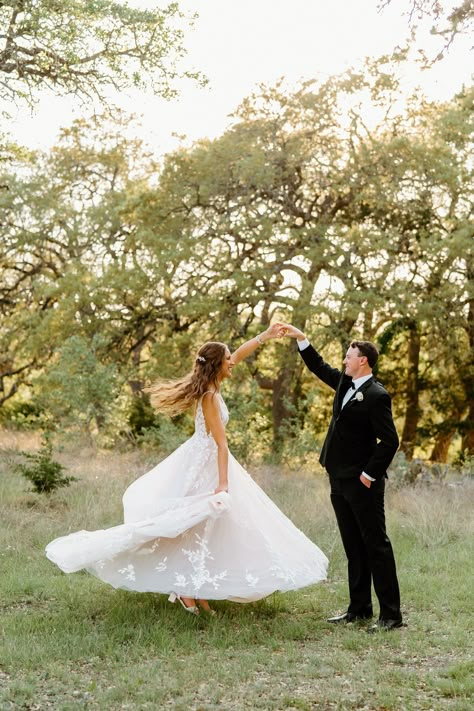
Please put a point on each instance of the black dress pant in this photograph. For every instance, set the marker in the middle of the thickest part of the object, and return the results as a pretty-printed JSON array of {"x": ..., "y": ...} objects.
[{"x": 360, "y": 516}]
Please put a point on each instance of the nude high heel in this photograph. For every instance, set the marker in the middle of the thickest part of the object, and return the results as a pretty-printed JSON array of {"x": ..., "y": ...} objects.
[
  {"x": 193, "y": 609},
  {"x": 205, "y": 608}
]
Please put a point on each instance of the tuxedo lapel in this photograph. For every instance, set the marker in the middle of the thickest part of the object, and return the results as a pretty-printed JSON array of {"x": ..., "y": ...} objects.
[
  {"x": 365, "y": 386},
  {"x": 344, "y": 385},
  {"x": 336, "y": 406}
]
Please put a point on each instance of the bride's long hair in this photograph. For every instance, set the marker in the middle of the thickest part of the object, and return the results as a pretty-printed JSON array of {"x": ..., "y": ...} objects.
[{"x": 175, "y": 396}]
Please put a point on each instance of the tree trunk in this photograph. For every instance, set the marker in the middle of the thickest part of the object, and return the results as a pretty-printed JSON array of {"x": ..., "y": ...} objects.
[
  {"x": 440, "y": 450},
  {"x": 467, "y": 445},
  {"x": 412, "y": 412},
  {"x": 283, "y": 403}
]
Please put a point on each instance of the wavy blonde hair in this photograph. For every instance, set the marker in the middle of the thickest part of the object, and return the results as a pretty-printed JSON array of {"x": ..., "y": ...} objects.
[{"x": 175, "y": 396}]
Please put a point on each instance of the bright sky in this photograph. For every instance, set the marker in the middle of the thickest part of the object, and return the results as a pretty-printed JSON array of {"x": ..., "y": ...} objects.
[{"x": 241, "y": 43}]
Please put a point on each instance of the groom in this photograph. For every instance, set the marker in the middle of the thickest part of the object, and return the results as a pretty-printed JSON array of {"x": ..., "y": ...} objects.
[{"x": 359, "y": 446}]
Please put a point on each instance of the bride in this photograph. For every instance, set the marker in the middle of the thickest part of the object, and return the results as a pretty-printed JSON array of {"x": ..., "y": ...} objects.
[{"x": 197, "y": 527}]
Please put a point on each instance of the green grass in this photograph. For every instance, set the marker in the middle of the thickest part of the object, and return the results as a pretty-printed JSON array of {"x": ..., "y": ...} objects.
[{"x": 71, "y": 642}]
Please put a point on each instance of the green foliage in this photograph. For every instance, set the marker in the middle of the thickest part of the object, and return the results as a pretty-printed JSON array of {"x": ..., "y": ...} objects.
[
  {"x": 79, "y": 388},
  {"x": 44, "y": 472},
  {"x": 465, "y": 463},
  {"x": 300, "y": 211},
  {"x": 22, "y": 415},
  {"x": 448, "y": 21},
  {"x": 250, "y": 425},
  {"x": 84, "y": 48},
  {"x": 405, "y": 472},
  {"x": 141, "y": 415},
  {"x": 166, "y": 434}
]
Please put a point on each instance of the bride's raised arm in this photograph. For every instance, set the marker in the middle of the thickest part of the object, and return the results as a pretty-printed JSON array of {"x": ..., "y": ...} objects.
[{"x": 276, "y": 330}]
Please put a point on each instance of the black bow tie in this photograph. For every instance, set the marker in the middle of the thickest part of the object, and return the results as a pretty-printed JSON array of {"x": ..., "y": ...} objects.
[{"x": 353, "y": 386}]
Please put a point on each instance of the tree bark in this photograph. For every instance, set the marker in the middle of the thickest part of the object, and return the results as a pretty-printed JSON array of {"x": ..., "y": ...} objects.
[
  {"x": 467, "y": 444},
  {"x": 412, "y": 412},
  {"x": 440, "y": 450},
  {"x": 284, "y": 403}
]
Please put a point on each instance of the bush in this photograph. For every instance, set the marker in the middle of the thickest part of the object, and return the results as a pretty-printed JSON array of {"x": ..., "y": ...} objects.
[
  {"x": 464, "y": 463},
  {"x": 405, "y": 472},
  {"x": 42, "y": 470},
  {"x": 167, "y": 434},
  {"x": 23, "y": 415},
  {"x": 141, "y": 415}
]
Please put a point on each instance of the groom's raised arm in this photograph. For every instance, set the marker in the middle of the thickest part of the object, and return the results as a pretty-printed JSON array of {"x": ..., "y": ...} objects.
[{"x": 316, "y": 364}]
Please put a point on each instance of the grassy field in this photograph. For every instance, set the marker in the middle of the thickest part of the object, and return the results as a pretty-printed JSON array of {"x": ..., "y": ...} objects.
[{"x": 71, "y": 642}]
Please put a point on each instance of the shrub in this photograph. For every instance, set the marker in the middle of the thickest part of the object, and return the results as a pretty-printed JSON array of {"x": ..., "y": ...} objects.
[
  {"x": 45, "y": 473},
  {"x": 23, "y": 415},
  {"x": 403, "y": 472},
  {"x": 167, "y": 434},
  {"x": 141, "y": 415}
]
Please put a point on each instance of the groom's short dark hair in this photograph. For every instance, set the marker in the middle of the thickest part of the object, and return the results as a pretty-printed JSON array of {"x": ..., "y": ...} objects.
[{"x": 367, "y": 349}]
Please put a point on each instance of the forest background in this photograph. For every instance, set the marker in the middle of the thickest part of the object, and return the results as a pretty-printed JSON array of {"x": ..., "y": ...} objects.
[{"x": 343, "y": 205}]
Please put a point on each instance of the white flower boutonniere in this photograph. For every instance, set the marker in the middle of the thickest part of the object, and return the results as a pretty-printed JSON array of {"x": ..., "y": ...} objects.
[{"x": 359, "y": 396}]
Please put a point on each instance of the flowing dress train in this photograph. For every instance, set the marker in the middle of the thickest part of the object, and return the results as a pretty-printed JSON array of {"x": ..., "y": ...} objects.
[{"x": 178, "y": 536}]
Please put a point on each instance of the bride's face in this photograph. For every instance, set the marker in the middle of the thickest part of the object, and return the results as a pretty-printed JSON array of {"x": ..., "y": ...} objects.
[{"x": 227, "y": 365}]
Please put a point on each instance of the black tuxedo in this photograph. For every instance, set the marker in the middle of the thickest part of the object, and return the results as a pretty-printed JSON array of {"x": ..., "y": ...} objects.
[{"x": 361, "y": 438}]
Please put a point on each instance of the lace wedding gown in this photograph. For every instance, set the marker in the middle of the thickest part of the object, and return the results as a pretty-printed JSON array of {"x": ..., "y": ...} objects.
[{"x": 178, "y": 536}]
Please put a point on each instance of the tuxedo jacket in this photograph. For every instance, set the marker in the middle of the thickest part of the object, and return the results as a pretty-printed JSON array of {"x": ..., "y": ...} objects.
[{"x": 362, "y": 436}]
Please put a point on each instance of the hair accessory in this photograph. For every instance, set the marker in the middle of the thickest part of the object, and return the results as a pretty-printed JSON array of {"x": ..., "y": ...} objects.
[{"x": 201, "y": 359}]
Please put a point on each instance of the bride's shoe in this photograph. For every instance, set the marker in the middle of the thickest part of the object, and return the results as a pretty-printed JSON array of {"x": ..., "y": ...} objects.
[
  {"x": 204, "y": 605},
  {"x": 193, "y": 609}
]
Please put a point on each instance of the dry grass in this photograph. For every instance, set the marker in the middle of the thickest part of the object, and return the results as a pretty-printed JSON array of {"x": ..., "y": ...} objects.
[
  {"x": 437, "y": 514},
  {"x": 70, "y": 642}
]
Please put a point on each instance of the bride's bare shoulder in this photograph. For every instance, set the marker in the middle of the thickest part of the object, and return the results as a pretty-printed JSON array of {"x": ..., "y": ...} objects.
[{"x": 210, "y": 399}]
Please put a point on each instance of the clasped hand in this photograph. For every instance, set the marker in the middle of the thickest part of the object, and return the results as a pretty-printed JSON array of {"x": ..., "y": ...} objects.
[{"x": 279, "y": 330}]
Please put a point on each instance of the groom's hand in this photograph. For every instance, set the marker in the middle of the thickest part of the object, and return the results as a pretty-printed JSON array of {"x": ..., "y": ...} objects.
[
  {"x": 292, "y": 331},
  {"x": 276, "y": 330},
  {"x": 366, "y": 482}
]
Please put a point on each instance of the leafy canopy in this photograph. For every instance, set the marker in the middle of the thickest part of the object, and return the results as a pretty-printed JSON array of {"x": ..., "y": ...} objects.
[{"x": 87, "y": 47}]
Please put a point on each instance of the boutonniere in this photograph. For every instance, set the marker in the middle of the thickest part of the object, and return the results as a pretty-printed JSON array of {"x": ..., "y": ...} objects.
[{"x": 359, "y": 396}]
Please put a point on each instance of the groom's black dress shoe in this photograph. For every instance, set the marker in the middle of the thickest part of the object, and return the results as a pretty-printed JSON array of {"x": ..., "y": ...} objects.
[
  {"x": 385, "y": 625},
  {"x": 347, "y": 617}
]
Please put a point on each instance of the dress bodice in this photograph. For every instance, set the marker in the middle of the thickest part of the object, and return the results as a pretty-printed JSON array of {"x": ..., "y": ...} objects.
[{"x": 200, "y": 422}]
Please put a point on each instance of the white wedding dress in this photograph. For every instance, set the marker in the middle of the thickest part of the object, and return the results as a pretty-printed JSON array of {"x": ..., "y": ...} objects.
[{"x": 178, "y": 536}]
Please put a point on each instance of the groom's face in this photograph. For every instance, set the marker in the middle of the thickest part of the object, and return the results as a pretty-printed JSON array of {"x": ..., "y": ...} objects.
[{"x": 353, "y": 362}]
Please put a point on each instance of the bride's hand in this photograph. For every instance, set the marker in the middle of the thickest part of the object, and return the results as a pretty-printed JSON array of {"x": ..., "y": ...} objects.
[
  {"x": 291, "y": 331},
  {"x": 276, "y": 330},
  {"x": 221, "y": 488}
]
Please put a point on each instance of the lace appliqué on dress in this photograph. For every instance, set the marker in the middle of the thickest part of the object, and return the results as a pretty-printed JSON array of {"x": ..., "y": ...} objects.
[
  {"x": 128, "y": 571},
  {"x": 197, "y": 558}
]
